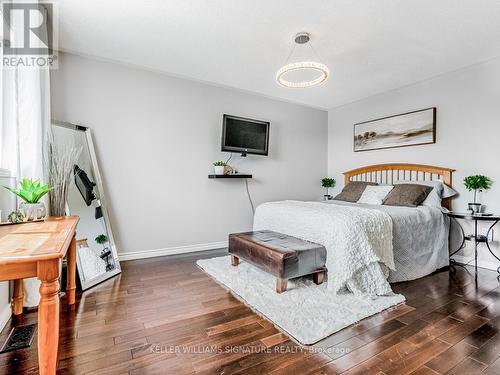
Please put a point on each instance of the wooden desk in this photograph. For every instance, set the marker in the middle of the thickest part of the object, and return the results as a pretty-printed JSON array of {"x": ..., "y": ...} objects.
[{"x": 36, "y": 250}]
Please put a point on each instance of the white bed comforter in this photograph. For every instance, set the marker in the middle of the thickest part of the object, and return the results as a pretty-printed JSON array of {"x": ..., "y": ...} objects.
[{"x": 358, "y": 240}]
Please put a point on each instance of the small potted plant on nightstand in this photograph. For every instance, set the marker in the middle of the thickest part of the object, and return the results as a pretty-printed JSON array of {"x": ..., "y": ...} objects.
[
  {"x": 328, "y": 183},
  {"x": 219, "y": 167},
  {"x": 106, "y": 252},
  {"x": 31, "y": 191},
  {"x": 477, "y": 183}
]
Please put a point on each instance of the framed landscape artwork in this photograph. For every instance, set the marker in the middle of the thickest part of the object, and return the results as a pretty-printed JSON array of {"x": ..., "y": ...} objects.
[{"x": 407, "y": 129}]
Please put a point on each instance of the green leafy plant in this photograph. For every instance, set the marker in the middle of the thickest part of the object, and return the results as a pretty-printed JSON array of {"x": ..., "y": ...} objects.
[
  {"x": 15, "y": 217},
  {"x": 30, "y": 191},
  {"x": 477, "y": 183},
  {"x": 101, "y": 239},
  {"x": 219, "y": 164},
  {"x": 328, "y": 183}
]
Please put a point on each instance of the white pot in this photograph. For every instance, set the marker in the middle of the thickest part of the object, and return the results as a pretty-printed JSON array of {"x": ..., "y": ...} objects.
[
  {"x": 33, "y": 211},
  {"x": 219, "y": 169},
  {"x": 475, "y": 207}
]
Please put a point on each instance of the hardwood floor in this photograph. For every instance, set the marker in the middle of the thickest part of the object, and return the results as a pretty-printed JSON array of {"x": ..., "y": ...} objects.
[{"x": 165, "y": 316}]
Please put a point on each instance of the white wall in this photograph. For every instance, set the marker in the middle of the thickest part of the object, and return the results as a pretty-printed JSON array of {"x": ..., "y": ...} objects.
[
  {"x": 156, "y": 137},
  {"x": 468, "y": 131}
]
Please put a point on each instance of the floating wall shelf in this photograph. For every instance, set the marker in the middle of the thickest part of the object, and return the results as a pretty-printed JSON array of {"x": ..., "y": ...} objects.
[{"x": 236, "y": 175}]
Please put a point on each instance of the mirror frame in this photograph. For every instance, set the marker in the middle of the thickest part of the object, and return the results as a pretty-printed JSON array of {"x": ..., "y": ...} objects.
[{"x": 98, "y": 181}]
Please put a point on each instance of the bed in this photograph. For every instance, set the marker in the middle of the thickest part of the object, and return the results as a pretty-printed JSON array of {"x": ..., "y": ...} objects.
[{"x": 370, "y": 246}]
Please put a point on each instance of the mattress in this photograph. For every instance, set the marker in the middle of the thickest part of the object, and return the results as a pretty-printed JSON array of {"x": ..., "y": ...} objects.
[{"x": 420, "y": 239}]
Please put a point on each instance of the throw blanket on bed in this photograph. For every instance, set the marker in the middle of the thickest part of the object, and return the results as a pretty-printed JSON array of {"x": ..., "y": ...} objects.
[{"x": 358, "y": 241}]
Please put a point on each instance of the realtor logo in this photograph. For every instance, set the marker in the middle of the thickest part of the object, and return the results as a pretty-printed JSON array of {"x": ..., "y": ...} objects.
[{"x": 29, "y": 34}]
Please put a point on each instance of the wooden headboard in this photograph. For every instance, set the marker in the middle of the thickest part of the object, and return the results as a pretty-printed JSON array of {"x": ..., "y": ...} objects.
[{"x": 390, "y": 173}]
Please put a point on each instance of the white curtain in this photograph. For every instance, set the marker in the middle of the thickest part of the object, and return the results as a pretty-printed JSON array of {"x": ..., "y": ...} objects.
[{"x": 25, "y": 122}]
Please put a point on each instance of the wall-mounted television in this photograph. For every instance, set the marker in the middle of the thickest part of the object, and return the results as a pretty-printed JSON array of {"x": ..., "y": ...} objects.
[
  {"x": 245, "y": 135},
  {"x": 84, "y": 185}
]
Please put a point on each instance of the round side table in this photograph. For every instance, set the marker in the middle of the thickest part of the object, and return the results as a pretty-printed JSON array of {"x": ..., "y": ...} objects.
[{"x": 475, "y": 237}]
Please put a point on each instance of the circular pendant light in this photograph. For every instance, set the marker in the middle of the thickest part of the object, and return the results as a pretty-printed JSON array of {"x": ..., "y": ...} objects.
[{"x": 320, "y": 69}]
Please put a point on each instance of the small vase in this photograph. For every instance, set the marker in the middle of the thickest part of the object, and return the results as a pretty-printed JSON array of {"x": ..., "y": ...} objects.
[
  {"x": 33, "y": 211},
  {"x": 475, "y": 207},
  {"x": 219, "y": 169}
]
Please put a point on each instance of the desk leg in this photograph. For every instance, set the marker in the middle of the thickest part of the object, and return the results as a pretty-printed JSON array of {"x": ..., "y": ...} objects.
[
  {"x": 18, "y": 297},
  {"x": 71, "y": 282},
  {"x": 48, "y": 316}
]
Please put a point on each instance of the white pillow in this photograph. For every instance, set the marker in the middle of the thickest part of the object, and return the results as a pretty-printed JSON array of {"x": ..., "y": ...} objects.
[
  {"x": 375, "y": 194},
  {"x": 439, "y": 191}
]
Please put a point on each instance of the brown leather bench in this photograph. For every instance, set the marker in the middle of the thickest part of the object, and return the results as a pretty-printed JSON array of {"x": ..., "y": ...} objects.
[{"x": 281, "y": 255}]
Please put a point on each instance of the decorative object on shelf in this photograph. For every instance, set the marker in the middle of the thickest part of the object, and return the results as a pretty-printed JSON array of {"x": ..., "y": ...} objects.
[
  {"x": 219, "y": 167},
  {"x": 300, "y": 39},
  {"x": 31, "y": 191},
  {"x": 407, "y": 129},
  {"x": 15, "y": 217},
  {"x": 477, "y": 183},
  {"x": 60, "y": 162},
  {"x": 328, "y": 183}
]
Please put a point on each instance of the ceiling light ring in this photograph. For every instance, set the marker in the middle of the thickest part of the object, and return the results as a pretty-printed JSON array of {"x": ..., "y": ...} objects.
[
  {"x": 302, "y": 38},
  {"x": 304, "y": 65}
]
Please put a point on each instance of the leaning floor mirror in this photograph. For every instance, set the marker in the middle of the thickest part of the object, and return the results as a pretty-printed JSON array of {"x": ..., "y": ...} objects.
[{"x": 97, "y": 258}]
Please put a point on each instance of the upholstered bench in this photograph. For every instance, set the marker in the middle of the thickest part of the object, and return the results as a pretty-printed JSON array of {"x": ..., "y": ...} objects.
[{"x": 280, "y": 255}]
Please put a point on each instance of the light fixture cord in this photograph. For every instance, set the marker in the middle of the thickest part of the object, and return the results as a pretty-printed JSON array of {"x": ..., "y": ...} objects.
[
  {"x": 314, "y": 51},
  {"x": 290, "y": 54},
  {"x": 295, "y": 46}
]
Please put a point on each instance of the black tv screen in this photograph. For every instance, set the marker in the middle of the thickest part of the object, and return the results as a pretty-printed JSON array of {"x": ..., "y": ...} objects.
[
  {"x": 245, "y": 135},
  {"x": 84, "y": 185}
]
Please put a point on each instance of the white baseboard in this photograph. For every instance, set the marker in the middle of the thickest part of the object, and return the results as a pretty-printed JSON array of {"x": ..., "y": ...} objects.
[
  {"x": 5, "y": 314},
  {"x": 171, "y": 251},
  {"x": 480, "y": 263}
]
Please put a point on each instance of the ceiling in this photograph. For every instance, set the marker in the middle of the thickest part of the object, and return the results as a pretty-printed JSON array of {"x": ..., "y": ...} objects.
[{"x": 370, "y": 46}]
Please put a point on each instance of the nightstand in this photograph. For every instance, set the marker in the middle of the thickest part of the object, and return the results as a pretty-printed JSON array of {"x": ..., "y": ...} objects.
[{"x": 475, "y": 237}]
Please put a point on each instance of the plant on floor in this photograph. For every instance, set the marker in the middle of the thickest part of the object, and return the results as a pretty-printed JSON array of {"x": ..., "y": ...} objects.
[
  {"x": 477, "y": 183},
  {"x": 327, "y": 183},
  {"x": 30, "y": 191}
]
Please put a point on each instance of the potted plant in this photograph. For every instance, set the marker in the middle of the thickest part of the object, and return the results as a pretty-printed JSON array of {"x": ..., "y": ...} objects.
[
  {"x": 477, "y": 183},
  {"x": 219, "y": 167},
  {"x": 31, "y": 191},
  {"x": 101, "y": 240},
  {"x": 328, "y": 183},
  {"x": 15, "y": 217},
  {"x": 106, "y": 252}
]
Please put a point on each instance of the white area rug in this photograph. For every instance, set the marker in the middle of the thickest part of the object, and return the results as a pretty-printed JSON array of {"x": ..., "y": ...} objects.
[{"x": 306, "y": 311}]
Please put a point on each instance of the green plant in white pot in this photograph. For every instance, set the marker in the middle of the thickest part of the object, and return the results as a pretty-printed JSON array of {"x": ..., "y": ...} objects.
[
  {"x": 31, "y": 191},
  {"x": 219, "y": 167},
  {"x": 477, "y": 183},
  {"x": 328, "y": 183}
]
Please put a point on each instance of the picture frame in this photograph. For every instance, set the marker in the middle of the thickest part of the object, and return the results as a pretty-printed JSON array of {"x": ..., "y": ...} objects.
[{"x": 403, "y": 130}]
